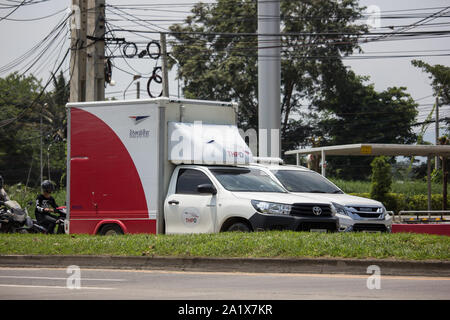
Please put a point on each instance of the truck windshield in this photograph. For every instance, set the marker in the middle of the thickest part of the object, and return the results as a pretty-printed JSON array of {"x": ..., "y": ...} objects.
[
  {"x": 305, "y": 181},
  {"x": 246, "y": 180}
]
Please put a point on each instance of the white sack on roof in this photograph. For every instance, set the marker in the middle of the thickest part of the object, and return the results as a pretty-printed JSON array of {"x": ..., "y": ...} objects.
[{"x": 199, "y": 143}]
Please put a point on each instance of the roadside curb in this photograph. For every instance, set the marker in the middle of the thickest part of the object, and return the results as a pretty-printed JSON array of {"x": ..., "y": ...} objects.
[{"x": 248, "y": 265}]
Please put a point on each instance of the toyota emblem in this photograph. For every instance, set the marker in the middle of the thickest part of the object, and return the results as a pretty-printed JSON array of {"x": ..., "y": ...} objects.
[{"x": 317, "y": 211}]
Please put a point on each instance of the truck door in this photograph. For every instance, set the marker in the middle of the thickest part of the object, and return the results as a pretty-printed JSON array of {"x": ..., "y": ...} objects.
[{"x": 187, "y": 210}]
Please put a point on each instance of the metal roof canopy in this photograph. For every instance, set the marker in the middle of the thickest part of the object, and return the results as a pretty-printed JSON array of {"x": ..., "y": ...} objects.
[{"x": 375, "y": 149}]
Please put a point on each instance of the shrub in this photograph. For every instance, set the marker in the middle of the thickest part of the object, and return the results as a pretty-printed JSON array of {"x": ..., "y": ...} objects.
[{"x": 381, "y": 178}]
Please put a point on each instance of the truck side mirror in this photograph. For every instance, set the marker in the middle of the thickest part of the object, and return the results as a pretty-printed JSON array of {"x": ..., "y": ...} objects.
[{"x": 206, "y": 188}]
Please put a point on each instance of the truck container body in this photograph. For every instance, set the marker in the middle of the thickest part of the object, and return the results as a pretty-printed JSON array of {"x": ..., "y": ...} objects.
[{"x": 121, "y": 155}]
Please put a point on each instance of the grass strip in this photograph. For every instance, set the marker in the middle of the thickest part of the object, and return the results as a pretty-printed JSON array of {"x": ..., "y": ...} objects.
[{"x": 276, "y": 244}]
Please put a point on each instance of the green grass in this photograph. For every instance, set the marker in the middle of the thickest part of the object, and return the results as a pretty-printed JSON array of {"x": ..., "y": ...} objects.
[{"x": 280, "y": 244}]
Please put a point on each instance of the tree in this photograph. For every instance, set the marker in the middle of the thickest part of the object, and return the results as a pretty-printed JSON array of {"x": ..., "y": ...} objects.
[
  {"x": 217, "y": 50},
  {"x": 356, "y": 113},
  {"x": 18, "y": 135},
  {"x": 440, "y": 76},
  {"x": 56, "y": 124},
  {"x": 23, "y": 103}
]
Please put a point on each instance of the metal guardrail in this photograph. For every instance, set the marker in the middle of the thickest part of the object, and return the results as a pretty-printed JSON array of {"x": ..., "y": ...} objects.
[{"x": 418, "y": 219}]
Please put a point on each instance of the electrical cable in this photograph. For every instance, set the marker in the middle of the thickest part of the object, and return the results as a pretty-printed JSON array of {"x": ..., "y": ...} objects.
[{"x": 14, "y": 10}]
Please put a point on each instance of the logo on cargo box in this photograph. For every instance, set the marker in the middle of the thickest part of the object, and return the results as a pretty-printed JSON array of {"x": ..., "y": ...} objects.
[
  {"x": 136, "y": 134},
  {"x": 138, "y": 119}
]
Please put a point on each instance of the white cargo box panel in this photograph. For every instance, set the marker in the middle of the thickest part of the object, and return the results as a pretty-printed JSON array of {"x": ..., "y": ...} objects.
[
  {"x": 118, "y": 165},
  {"x": 212, "y": 144}
]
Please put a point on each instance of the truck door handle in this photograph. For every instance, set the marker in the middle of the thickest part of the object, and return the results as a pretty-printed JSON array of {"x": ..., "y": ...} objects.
[{"x": 173, "y": 202}]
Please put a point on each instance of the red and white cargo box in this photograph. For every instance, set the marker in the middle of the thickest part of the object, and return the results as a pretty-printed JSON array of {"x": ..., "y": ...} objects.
[{"x": 121, "y": 155}]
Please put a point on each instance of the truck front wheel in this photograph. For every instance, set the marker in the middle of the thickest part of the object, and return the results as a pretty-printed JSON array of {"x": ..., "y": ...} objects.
[{"x": 238, "y": 226}]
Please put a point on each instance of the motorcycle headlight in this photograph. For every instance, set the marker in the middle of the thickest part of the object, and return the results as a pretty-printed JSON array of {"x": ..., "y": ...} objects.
[
  {"x": 271, "y": 207},
  {"x": 340, "y": 209}
]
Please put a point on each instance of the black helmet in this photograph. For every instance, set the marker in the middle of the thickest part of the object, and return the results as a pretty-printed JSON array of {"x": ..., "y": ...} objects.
[
  {"x": 47, "y": 186},
  {"x": 1, "y": 182}
]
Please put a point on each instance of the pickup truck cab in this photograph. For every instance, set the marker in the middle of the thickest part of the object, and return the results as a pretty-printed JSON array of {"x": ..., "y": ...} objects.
[
  {"x": 239, "y": 198},
  {"x": 354, "y": 213}
]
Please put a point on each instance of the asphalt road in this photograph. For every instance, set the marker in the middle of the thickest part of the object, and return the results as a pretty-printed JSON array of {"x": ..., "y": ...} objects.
[{"x": 49, "y": 284}]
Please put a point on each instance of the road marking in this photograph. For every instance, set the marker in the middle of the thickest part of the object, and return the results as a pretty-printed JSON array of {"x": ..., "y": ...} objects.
[
  {"x": 272, "y": 274},
  {"x": 269, "y": 274},
  {"x": 54, "y": 278},
  {"x": 53, "y": 287}
]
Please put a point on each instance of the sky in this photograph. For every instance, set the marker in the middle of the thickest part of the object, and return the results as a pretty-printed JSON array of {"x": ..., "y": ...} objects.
[{"x": 22, "y": 31}]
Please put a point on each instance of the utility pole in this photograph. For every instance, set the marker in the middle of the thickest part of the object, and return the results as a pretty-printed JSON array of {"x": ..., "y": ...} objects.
[
  {"x": 78, "y": 51},
  {"x": 436, "y": 166},
  {"x": 164, "y": 70},
  {"x": 40, "y": 129},
  {"x": 41, "y": 167},
  {"x": 95, "y": 65},
  {"x": 269, "y": 78}
]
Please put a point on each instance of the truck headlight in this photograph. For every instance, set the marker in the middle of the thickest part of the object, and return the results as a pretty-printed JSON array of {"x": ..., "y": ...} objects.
[
  {"x": 271, "y": 207},
  {"x": 340, "y": 209}
]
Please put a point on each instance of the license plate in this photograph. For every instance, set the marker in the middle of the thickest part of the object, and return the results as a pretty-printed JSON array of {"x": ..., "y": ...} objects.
[{"x": 318, "y": 230}]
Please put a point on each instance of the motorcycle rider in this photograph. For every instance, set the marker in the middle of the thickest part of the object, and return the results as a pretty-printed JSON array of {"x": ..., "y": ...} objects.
[
  {"x": 45, "y": 206},
  {"x": 3, "y": 195}
]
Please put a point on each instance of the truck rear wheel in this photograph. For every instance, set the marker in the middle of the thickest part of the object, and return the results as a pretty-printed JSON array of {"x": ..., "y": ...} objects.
[{"x": 110, "y": 230}]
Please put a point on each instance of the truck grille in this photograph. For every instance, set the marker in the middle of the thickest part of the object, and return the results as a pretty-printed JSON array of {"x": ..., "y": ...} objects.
[
  {"x": 368, "y": 212},
  {"x": 307, "y": 226},
  {"x": 369, "y": 227},
  {"x": 306, "y": 210}
]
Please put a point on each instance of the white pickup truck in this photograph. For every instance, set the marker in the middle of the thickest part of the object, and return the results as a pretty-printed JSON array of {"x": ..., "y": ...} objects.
[
  {"x": 225, "y": 198},
  {"x": 173, "y": 166},
  {"x": 354, "y": 213}
]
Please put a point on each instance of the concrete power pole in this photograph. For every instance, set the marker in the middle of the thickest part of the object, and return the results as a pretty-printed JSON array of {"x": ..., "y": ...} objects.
[
  {"x": 436, "y": 166},
  {"x": 165, "y": 72},
  {"x": 269, "y": 78},
  {"x": 95, "y": 62},
  {"x": 78, "y": 51}
]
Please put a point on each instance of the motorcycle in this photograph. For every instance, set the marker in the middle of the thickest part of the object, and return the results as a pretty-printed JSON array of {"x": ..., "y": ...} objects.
[
  {"x": 61, "y": 211},
  {"x": 14, "y": 219}
]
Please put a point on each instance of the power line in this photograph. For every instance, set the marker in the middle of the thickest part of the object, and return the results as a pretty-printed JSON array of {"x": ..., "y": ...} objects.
[
  {"x": 38, "y": 18},
  {"x": 14, "y": 10}
]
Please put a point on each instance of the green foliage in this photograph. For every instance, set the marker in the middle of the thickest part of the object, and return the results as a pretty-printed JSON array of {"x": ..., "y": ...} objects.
[
  {"x": 381, "y": 178},
  {"x": 356, "y": 113},
  {"x": 408, "y": 188},
  {"x": 440, "y": 76},
  {"x": 20, "y": 138},
  {"x": 223, "y": 67},
  {"x": 437, "y": 176}
]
